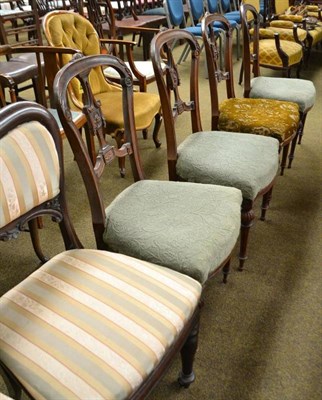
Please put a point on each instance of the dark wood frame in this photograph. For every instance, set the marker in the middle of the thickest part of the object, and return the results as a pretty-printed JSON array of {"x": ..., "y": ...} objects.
[
  {"x": 170, "y": 84},
  {"x": 187, "y": 341}
]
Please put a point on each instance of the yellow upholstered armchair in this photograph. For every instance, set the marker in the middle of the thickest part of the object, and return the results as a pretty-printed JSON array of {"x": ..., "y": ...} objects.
[
  {"x": 273, "y": 50},
  {"x": 68, "y": 29}
]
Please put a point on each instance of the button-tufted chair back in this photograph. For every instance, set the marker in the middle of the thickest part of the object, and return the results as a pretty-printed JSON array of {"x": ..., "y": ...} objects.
[{"x": 69, "y": 29}]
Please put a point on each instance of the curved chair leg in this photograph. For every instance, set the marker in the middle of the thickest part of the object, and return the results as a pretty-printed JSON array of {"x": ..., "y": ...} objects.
[
  {"x": 265, "y": 203},
  {"x": 247, "y": 219},
  {"x": 188, "y": 351},
  {"x": 157, "y": 125},
  {"x": 302, "y": 130},
  {"x": 226, "y": 270},
  {"x": 33, "y": 229},
  {"x": 119, "y": 138},
  {"x": 241, "y": 73},
  {"x": 285, "y": 150},
  {"x": 145, "y": 134}
]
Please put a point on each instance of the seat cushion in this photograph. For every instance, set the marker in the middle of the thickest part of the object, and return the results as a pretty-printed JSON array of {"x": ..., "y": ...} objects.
[
  {"x": 187, "y": 227},
  {"x": 265, "y": 117},
  {"x": 316, "y": 35},
  {"x": 144, "y": 67},
  {"x": 299, "y": 91},
  {"x": 93, "y": 325},
  {"x": 268, "y": 54},
  {"x": 27, "y": 154},
  {"x": 146, "y": 106},
  {"x": 247, "y": 162}
]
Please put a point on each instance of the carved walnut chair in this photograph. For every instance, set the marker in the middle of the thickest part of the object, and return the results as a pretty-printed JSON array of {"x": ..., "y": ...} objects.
[
  {"x": 265, "y": 117},
  {"x": 246, "y": 162},
  {"x": 88, "y": 323},
  {"x": 205, "y": 218},
  {"x": 299, "y": 91},
  {"x": 68, "y": 29}
]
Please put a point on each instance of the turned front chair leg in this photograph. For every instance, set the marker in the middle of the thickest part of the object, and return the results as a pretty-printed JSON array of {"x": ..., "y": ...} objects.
[
  {"x": 302, "y": 130},
  {"x": 265, "y": 203},
  {"x": 226, "y": 270},
  {"x": 34, "y": 234},
  {"x": 188, "y": 351},
  {"x": 157, "y": 125},
  {"x": 284, "y": 149},
  {"x": 247, "y": 219}
]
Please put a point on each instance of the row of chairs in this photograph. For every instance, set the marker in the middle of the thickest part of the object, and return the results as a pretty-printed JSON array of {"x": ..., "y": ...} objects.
[{"x": 245, "y": 166}]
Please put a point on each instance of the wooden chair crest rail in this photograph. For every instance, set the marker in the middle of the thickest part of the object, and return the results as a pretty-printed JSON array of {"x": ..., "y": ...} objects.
[
  {"x": 247, "y": 162},
  {"x": 87, "y": 323}
]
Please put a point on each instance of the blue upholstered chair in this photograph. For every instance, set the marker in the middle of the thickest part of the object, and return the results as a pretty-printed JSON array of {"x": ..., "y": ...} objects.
[
  {"x": 299, "y": 91},
  {"x": 176, "y": 19},
  {"x": 247, "y": 162},
  {"x": 87, "y": 324}
]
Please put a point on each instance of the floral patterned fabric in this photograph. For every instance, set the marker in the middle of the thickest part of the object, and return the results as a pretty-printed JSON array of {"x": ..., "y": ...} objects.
[{"x": 278, "y": 119}]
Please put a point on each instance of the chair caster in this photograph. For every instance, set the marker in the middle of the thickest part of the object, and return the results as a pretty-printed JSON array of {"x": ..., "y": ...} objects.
[{"x": 186, "y": 380}]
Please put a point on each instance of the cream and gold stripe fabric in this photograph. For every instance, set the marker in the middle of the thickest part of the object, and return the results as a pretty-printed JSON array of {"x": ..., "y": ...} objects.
[
  {"x": 91, "y": 324},
  {"x": 29, "y": 170}
]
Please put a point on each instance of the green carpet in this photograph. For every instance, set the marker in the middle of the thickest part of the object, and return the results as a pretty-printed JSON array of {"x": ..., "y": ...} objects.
[{"x": 260, "y": 335}]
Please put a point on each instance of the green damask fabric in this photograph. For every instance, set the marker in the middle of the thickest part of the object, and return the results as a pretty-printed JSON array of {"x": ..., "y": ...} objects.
[{"x": 191, "y": 228}]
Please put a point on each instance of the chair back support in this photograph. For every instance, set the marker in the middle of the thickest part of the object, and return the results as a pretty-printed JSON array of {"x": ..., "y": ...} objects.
[
  {"x": 215, "y": 73},
  {"x": 32, "y": 178},
  {"x": 250, "y": 59},
  {"x": 20, "y": 28},
  {"x": 81, "y": 68},
  {"x": 98, "y": 18},
  {"x": 196, "y": 9},
  {"x": 68, "y": 29},
  {"x": 212, "y": 6},
  {"x": 175, "y": 13},
  {"x": 169, "y": 84}
]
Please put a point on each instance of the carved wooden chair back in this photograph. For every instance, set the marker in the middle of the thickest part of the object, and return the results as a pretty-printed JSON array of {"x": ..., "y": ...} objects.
[
  {"x": 68, "y": 288},
  {"x": 31, "y": 152},
  {"x": 105, "y": 153}
]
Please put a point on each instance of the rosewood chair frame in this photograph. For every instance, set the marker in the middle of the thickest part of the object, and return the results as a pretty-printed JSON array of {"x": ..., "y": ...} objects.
[
  {"x": 173, "y": 108},
  {"x": 187, "y": 341}
]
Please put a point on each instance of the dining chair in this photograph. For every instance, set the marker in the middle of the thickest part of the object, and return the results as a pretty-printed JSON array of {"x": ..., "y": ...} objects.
[
  {"x": 88, "y": 323},
  {"x": 20, "y": 27},
  {"x": 68, "y": 29},
  {"x": 264, "y": 117},
  {"x": 244, "y": 161},
  {"x": 186, "y": 227},
  {"x": 299, "y": 91},
  {"x": 142, "y": 70}
]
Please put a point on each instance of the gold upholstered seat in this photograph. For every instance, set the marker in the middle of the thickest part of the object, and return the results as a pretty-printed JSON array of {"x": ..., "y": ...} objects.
[
  {"x": 68, "y": 29},
  {"x": 266, "y": 117}
]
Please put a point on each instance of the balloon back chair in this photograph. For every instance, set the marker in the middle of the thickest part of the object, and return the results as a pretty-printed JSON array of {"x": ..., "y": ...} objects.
[
  {"x": 246, "y": 162},
  {"x": 265, "y": 117},
  {"x": 157, "y": 212},
  {"x": 88, "y": 323},
  {"x": 299, "y": 91},
  {"x": 68, "y": 29}
]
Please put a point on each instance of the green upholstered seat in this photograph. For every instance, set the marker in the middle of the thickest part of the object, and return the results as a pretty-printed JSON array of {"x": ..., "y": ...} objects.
[
  {"x": 158, "y": 229},
  {"x": 266, "y": 117},
  {"x": 29, "y": 171},
  {"x": 197, "y": 163},
  {"x": 91, "y": 324},
  {"x": 298, "y": 91}
]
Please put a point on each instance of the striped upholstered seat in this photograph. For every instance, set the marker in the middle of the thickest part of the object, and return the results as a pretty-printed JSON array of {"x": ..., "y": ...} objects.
[
  {"x": 29, "y": 171},
  {"x": 92, "y": 325}
]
